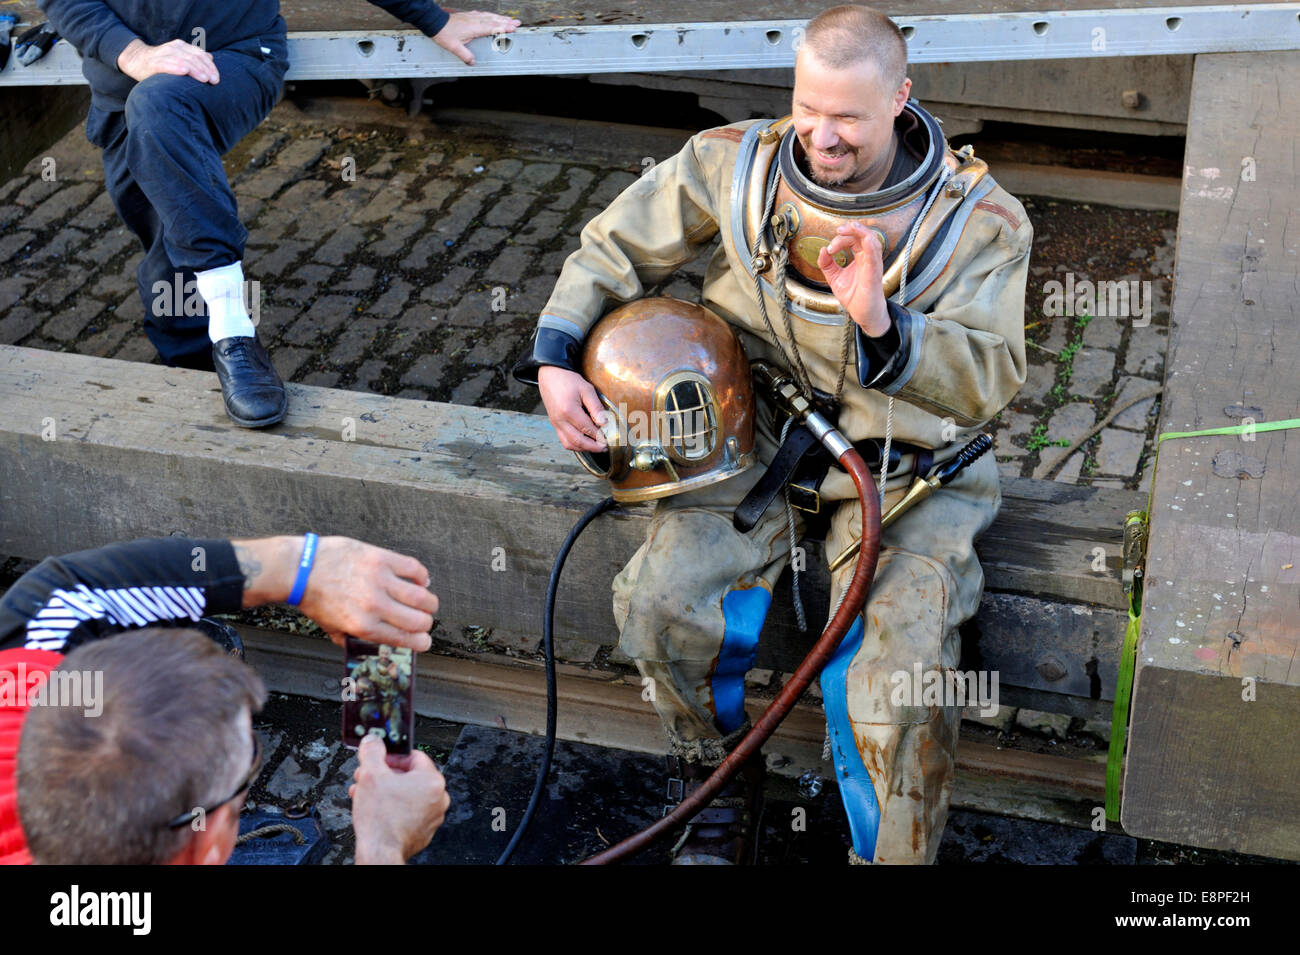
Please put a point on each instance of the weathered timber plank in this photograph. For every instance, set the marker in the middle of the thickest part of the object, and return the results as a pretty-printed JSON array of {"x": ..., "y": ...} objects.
[
  {"x": 140, "y": 450},
  {"x": 1037, "y": 644},
  {"x": 1206, "y": 763},
  {"x": 1207, "y": 768},
  {"x": 1044, "y": 542},
  {"x": 1121, "y": 189},
  {"x": 595, "y": 708}
]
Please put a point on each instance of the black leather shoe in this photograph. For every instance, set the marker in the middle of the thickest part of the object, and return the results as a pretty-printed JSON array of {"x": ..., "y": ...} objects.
[{"x": 250, "y": 385}]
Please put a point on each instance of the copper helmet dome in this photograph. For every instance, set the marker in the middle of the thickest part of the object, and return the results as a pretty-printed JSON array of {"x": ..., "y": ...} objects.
[{"x": 679, "y": 400}]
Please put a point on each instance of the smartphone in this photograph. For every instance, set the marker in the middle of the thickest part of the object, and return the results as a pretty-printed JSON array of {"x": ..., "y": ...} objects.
[{"x": 378, "y": 694}]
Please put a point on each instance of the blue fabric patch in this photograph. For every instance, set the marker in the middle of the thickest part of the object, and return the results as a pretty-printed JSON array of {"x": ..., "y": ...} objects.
[
  {"x": 743, "y": 613},
  {"x": 856, "y": 789}
]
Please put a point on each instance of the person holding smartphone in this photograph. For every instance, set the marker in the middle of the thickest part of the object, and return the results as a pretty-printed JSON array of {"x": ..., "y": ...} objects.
[{"x": 152, "y": 758}]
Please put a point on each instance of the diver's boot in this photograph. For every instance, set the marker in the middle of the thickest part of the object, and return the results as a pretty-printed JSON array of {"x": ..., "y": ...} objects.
[{"x": 724, "y": 832}]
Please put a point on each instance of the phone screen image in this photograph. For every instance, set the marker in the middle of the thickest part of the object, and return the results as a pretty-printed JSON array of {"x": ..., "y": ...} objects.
[{"x": 378, "y": 694}]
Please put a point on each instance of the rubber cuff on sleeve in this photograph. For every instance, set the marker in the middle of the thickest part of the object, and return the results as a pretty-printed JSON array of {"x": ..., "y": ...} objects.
[{"x": 550, "y": 347}]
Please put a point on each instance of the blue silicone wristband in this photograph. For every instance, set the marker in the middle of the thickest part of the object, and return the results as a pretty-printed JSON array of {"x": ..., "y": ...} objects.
[{"x": 304, "y": 570}]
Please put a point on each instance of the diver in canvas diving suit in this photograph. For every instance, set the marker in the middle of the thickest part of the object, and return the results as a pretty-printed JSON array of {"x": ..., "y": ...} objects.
[{"x": 887, "y": 274}]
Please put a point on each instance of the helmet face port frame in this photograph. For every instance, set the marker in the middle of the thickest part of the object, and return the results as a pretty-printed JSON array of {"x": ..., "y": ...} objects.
[
  {"x": 612, "y": 463},
  {"x": 687, "y": 413}
]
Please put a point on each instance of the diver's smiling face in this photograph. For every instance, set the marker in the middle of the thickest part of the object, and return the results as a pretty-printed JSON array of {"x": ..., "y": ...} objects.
[{"x": 844, "y": 120}]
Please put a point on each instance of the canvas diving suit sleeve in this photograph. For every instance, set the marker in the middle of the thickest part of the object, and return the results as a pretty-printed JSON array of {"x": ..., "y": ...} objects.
[
  {"x": 428, "y": 17},
  {"x": 658, "y": 223},
  {"x": 966, "y": 353}
]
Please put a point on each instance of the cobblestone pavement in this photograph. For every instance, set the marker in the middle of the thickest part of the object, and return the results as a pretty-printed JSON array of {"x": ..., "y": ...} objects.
[
  {"x": 1088, "y": 363},
  {"x": 413, "y": 263},
  {"x": 306, "y": 764}
]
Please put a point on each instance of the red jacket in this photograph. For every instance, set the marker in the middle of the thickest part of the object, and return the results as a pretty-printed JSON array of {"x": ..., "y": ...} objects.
[{"x": 66, "y": 601}]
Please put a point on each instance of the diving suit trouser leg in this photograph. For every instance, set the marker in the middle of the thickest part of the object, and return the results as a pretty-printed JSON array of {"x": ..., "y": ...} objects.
[
  {"x": 697, "y": 581},
  {"x": 893, "y": 743},
  {"x": 894, "y": 750},
  {"x": 691, "y": 604}
]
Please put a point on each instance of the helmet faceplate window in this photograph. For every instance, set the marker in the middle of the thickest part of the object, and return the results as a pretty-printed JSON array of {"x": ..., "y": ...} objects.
[{"x": 688, "y": 416}]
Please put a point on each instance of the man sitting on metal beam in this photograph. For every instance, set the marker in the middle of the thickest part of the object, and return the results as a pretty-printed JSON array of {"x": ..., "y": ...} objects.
[
  {"x": 151, "y": 761},
  {"x": 850, "y": 233},
  {"x": 174, "y": 86}
]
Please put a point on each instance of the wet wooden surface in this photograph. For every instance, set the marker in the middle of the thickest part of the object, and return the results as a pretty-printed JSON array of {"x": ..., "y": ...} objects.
[
  {"x": 138, "y": 450},
  {"x": 1214, "y": 758}
]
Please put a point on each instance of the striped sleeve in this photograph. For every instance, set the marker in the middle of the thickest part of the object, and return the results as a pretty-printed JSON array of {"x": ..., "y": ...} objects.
[{"x": 65, "y": 601}]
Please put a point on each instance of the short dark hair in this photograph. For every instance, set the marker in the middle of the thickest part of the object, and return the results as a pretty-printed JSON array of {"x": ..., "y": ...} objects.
[
  {"x": 100, "y": 790},
  {"x": 847, "y": 35}
]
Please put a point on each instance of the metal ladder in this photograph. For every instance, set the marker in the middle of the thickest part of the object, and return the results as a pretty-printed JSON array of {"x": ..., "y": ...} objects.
[{"x": 761, "y": 44}]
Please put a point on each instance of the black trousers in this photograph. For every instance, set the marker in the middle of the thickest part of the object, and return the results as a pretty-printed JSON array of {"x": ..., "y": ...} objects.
[{"x": 162, "y": 168}]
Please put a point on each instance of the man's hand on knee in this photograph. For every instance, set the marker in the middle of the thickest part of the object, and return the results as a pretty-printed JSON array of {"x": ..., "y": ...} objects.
[
  {"x": 140, "y": 61},
  {"x": 466, "y": 25},
  {"x": 398, "y": 803}
]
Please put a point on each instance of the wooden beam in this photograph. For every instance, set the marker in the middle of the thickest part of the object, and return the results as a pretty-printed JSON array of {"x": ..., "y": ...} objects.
[
  {"x": 96, "y": 450},
  {"x": 1212, "y": 757},
  {"x": 602, "y": 708}
]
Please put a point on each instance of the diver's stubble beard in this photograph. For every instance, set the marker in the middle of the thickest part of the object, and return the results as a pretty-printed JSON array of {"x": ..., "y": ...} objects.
[
  {"x": 827, "y": 179},
  {"x": 828, "y": 182}
]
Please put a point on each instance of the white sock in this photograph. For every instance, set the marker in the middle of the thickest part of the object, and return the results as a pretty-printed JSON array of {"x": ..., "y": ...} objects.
[{"x": 223, "y": 292}]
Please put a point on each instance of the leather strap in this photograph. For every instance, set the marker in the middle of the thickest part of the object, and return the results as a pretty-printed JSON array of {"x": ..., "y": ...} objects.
[
  {"x": 798, "y": 443},
  {"x": 796, "y": 464},
  {"x": 924, "y": 461}
]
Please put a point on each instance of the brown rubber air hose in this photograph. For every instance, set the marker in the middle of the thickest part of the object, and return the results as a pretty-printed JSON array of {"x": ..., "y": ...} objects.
[{"x": 812, "y": 665}]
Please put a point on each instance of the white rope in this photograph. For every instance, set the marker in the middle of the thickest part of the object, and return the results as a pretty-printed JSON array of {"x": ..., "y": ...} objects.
[
  {"x": 794, "y": 565},
  {"x": 884, "y": 455},
  {"x": 901, "y": 299}
]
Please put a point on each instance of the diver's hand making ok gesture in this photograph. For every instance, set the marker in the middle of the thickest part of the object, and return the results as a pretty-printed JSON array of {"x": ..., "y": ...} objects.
[{"x": 857, "y": 284}]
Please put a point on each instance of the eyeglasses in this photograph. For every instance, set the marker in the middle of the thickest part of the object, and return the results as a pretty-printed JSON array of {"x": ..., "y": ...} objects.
[{"x": 186, "y": 818}]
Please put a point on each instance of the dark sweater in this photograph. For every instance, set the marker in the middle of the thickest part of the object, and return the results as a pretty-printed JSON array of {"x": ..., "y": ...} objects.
[{"x": 102, "y": 29}]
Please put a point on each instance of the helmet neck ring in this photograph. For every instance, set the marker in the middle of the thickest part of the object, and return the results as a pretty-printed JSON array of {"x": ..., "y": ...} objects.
[{"x": 866, "y": 202}]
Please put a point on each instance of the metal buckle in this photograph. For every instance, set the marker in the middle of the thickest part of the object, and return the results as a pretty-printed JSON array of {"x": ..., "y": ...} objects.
[
  {"x": 806, "y": 499},
  {"x": 1135, "y": 548}
]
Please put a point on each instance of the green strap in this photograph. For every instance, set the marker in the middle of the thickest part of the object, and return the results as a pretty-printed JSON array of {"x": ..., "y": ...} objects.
[
  {"x": 1283, "y": 425},
  {"x": 1119, "y": 712},
  {"x": 1128, "y": 656}
]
